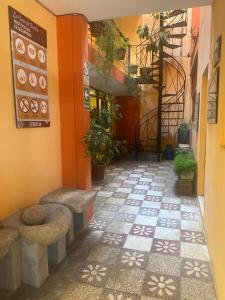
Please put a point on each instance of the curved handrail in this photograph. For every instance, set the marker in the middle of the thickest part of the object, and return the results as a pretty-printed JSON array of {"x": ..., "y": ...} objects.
[{"x": 173, "y": 99}]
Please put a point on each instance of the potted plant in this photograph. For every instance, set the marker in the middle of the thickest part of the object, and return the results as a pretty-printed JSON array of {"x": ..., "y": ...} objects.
[
  {"x": 101, "y": 146},
  {"x": 97, "y": 28},
  {"x": 133, "y": 69},
  {"x": 185, "y": 167},
  {"x": 184, "y": 133}
]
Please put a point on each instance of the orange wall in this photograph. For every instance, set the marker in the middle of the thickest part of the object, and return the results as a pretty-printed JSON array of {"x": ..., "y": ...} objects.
[
  {"x": 30, "y": 160},
  {"x": 75, "y": 120},
  {"x": 125, "y": 128}
]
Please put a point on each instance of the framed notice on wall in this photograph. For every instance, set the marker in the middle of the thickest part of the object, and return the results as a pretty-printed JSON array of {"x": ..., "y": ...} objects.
[
  {"x": 213, "y": 91},
  {"x": 29, "y": 64}
]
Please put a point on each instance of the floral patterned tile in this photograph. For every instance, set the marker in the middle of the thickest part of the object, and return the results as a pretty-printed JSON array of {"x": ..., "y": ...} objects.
[
  {"x": 142, "y": 230},
  {"x": 146, "y": 211},
  {"x": 120, "y": 195},
  {"x": 125, "y": 217},
  {"x": 109, "y": 294},
  {"x": 161, "y": 286},
  {"x": 169, "y": 223},
  {"x": 98, "y": 224},
  {"x": 167, "y": 247},
  {"x": 127, "y": 185},
  {"x": 170, "y": 206},
  {"x": 93, "y": 273},
  {"x": 153, "y": 198},
  {"x": 133, "y": 202},
  {"x": 113, "y": 239},
  {"x": 111, "y": 207},
  {"x": 144, "y": 183},
  {"x": 190, "y": 216},
  {"x": 133, "y": 258},
  {"x": 192, "y": 237},
  {"x": 139, "y": 191},
  {"x": 196, "y": 269}
]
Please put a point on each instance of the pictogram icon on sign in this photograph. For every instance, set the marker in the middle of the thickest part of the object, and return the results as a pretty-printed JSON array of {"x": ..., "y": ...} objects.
[
  {"x": 34, "y": 106},
  {"x": 24, "y": 105},
  {"x": 44, "y": 107}
]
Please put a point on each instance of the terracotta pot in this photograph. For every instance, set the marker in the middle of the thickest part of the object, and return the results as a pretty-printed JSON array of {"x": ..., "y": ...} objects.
[
  {"x": 97, "y": 28},
  {"x": 97, "y": 171},
  {"x": 120, "y": 53},
  {"x": 185, "y": 187},
  {"x": 185, "y": 175}
]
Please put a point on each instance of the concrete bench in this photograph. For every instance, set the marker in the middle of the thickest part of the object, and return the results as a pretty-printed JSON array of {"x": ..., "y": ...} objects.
[
  {"x": 10, "y": 261},
  {"x": 42, "y": 244},
  {"x": 80, "y": 202}
]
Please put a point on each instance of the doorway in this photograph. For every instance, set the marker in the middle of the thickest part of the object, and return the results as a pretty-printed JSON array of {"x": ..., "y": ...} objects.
[{"x": 202, "y": 133}]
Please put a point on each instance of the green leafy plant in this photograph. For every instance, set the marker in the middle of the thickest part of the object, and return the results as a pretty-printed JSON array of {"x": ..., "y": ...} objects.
[
  {"x": 101, "y": 146},
  {"x": 184, "y": 164},
  {"x": 132, "y": 86}
]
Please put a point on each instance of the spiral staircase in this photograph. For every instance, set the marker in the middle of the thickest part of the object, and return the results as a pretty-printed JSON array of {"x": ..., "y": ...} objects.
[{"x": 167, "y": 76}]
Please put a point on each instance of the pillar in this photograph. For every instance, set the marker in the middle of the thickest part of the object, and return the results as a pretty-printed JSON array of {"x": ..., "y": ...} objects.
[{"x": 72, "y": 31}]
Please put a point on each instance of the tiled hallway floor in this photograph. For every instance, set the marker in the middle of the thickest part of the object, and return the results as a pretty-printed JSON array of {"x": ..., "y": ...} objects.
[{"x": 143, "y": 243}]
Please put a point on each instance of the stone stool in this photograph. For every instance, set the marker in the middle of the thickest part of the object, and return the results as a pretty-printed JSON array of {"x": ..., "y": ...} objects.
[
  {"x": 80, "y": 202},
  {"x": 10, "y": 260},
  {"x": 42, "y": 244}
]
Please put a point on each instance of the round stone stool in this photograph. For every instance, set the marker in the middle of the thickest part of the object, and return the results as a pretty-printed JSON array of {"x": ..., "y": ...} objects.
[{"x": 42, "y": 244}]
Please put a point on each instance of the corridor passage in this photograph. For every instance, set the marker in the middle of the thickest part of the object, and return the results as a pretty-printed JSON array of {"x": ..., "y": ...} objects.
[{"x": 143, "y": 243}]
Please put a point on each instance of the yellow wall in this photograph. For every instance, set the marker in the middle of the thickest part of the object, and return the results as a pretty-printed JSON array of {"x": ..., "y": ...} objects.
[
  {"x": 215, "y": 166},
  {"x": 30, "y": 160}
]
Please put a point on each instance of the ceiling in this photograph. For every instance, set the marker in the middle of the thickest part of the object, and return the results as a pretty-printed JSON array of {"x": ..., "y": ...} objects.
[{"x": 110, "y": 9}]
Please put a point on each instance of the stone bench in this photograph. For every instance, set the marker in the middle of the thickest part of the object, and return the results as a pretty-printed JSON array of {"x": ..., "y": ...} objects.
[
  {"x": 80, "y": 202},
  {"x": 42, "y": 244},
  {"x": 10, "y": 261}
]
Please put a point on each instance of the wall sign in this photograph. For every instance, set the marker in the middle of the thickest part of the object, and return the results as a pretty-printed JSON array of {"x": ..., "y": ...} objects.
[
  {"x": 86, "y": 86},
  {"x": 217, "y": 51},
  {"x": 213, "y": 97},
  {"x": 29, "y": 62},
  {"x": 196, "y": 111}
]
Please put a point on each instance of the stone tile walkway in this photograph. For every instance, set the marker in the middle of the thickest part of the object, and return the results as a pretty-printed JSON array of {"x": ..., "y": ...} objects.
[{"x": 144, "y": 243}]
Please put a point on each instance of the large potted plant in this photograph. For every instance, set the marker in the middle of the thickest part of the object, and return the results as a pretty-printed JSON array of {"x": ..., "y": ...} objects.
[
  {"x": 101, "y": 146},
  {"x": 185, "y": 167}
]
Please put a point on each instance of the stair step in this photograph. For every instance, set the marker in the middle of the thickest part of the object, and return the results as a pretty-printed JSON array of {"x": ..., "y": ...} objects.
[
  {"x": 155, "y": 63},
  {"x": 175, "y": 13},
  {"x": 176, "y": 25},
  {"x": 157, "y": 87},
  {"x": 166, "y": 55},
  {"x": 171, "y": 46},
  {"x": 146, "y": 80},
  {"x": 168, "y": 95},
  {"x": 172, "y": 111},
  {"x": 177, "y": 36}
]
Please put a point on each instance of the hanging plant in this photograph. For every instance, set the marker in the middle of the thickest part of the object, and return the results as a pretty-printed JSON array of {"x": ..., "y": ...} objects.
[{"x": 97, "y": 28}]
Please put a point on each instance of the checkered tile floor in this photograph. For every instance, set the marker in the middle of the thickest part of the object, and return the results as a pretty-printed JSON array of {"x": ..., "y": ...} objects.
[{"x": 144, "y": 243}]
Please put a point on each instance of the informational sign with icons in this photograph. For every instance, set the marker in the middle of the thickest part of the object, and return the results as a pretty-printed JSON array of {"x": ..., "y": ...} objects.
[
  {"x": 86, "y": 85},
  {"x": 29, "y": 60}
]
